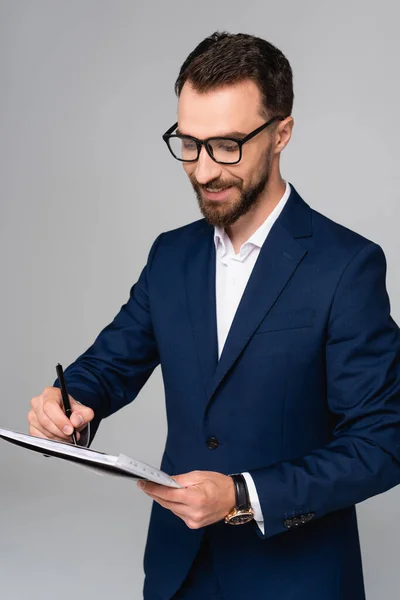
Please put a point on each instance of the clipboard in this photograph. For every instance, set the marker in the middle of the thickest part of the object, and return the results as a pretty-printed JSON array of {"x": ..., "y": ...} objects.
[{"x": 102, "y": 463}]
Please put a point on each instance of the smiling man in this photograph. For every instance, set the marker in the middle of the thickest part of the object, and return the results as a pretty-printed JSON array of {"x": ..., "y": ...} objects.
[{"x": 279, "y": 356}]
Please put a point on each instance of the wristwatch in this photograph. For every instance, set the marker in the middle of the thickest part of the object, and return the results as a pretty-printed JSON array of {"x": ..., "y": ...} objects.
[{"x": 242, "y": 512}]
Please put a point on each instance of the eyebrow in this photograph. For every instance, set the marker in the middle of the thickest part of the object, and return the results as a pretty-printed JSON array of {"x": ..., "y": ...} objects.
[{"x": 234, "y": 134}]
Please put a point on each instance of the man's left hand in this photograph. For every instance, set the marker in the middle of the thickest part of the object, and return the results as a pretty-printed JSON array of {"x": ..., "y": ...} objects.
[{"x": 205, "y": 498}]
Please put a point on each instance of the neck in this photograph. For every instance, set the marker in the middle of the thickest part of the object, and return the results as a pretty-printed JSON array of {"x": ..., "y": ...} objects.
[{"x": 244, "y": 227}]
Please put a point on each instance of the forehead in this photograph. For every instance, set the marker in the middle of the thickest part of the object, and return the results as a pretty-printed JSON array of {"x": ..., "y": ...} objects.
[{"x": 232, "y": 107}]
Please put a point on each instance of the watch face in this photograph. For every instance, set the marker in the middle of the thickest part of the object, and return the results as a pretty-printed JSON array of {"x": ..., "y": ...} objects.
[{"x": 240, "y": 518}]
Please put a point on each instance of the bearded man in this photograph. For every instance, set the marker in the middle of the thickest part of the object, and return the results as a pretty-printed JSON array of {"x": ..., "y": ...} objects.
[{"x": 279, "y": 357}]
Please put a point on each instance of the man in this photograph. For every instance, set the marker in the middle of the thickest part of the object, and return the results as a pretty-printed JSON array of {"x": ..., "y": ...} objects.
[{"x": 279, "y": 356}]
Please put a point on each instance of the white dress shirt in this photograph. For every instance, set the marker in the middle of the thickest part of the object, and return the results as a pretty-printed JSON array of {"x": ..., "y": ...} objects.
[{"x": 231, "y": 276}]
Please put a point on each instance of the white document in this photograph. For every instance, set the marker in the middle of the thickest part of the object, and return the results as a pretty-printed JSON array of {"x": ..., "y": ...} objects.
[{"x": 120, "y": 465}]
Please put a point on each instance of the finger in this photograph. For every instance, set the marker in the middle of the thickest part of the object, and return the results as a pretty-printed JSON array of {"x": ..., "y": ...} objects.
[
  {"x": 191, "y": 519},
  {"x": 50, "y": 415},
  {"x": 57, "y": 416},
  {"x": 193, "y": 478},
  {"x": 81, "y": 415},
  {"x": 45, "y": 424},
  {"x": 164, "y": 492},
  {"x": 35, "y": 426},
  {"x": 180, "y": 510},
  {"x": 37, "y": 432}
]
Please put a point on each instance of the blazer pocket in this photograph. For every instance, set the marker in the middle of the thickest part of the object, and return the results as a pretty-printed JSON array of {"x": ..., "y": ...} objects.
[{"x": 296, "y": 319}]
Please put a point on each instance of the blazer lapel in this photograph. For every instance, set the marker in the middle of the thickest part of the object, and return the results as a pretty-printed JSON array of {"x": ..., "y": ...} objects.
[
  {"x": 200, "y": 292},
  {"x": 279, "y": 257}
]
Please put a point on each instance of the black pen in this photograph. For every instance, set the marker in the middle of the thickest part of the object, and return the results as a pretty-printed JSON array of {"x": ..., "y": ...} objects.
[{"x": 65, "y": 397}]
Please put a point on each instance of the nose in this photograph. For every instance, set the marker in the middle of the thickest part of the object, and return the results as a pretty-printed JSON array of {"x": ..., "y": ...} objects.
[{"x": 206, "y": 168}]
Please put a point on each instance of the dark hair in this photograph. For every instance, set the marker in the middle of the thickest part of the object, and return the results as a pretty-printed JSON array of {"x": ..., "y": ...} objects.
[{"x": 224, "y": 58}]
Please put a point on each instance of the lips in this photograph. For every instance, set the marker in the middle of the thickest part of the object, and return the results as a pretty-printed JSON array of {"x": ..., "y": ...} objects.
[{"x": 217, "y": 195}]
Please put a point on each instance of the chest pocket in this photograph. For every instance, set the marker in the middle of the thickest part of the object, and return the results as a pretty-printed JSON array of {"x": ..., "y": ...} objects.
[{"x": 296, "y": 319}]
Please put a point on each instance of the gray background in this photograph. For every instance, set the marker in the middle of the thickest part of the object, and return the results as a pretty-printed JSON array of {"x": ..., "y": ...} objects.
[{"x": 86, "y": 90}]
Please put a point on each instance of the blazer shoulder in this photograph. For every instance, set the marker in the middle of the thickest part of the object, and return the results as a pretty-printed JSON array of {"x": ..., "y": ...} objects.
[
  {"x": 330, "y": 240},
  {"x": 180, "y": 236},
  {"x": 337, "y": 238}
]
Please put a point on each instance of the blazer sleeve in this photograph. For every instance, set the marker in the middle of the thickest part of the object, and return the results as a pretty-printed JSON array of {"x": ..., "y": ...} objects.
[
  {"x": 112, "y": 371},
  {"x": 363, "y": 393}
]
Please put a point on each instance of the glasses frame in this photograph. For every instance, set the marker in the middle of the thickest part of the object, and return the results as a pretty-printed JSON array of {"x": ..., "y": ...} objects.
[{"x": 199, "y": 143}]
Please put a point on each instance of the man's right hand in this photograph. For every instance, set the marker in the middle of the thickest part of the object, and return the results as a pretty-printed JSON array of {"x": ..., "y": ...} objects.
[{"x": 47, "y": 418}]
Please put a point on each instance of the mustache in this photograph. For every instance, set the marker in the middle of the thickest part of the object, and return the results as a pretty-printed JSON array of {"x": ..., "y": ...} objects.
[{"x": 213, "y": 185}]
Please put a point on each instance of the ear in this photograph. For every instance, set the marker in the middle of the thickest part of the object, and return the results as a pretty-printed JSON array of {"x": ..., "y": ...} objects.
[{"x": 283, "y": 133}]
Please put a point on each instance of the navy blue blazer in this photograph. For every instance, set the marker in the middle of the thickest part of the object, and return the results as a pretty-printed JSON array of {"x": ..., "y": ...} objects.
[{"x": 305, "y": 396}]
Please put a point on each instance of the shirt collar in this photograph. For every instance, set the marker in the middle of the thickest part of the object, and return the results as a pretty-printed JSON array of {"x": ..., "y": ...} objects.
[{"x": 260, "y": 235}]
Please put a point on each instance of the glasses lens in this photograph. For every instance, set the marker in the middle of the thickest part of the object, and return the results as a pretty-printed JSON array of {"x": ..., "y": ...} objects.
[
  {"x": 222, "y": 149},
  {"x": 225, "y": 151},
  {"x": 183, "y": 148}
]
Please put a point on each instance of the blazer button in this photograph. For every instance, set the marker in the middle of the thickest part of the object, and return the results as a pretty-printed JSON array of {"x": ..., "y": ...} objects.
[
  {"x": 212, "y": 443},
  {"x": 288, "y": 523},
  {"x": 296, "y": 521}
]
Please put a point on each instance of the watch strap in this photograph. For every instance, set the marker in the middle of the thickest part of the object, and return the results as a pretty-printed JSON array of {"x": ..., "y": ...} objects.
[{"x": 241, "y": 492}]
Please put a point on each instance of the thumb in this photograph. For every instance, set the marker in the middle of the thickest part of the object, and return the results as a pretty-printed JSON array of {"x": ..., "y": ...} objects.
[
  {"x": 190, "y": 479},
  {"x": 81, "y": 414}
]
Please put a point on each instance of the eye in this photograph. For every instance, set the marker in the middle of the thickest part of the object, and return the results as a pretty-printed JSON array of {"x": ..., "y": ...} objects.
[
  {"x": 188, "y": 144},
  {"x": 226, "y": 146}
]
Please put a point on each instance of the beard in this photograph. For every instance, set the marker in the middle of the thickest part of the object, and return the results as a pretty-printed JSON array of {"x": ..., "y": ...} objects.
[{"x": 226, "y": 212}]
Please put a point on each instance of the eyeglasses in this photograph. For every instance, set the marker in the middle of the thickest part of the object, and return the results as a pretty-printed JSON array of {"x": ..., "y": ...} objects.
[{"x": 224, "y": 150}]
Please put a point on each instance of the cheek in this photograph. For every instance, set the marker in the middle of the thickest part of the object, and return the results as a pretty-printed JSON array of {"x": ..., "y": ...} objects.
[
  {"x": 258, "y": 171},
  {"x": 255, "y": 162},
  {"x": 236, "y": 175}
]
